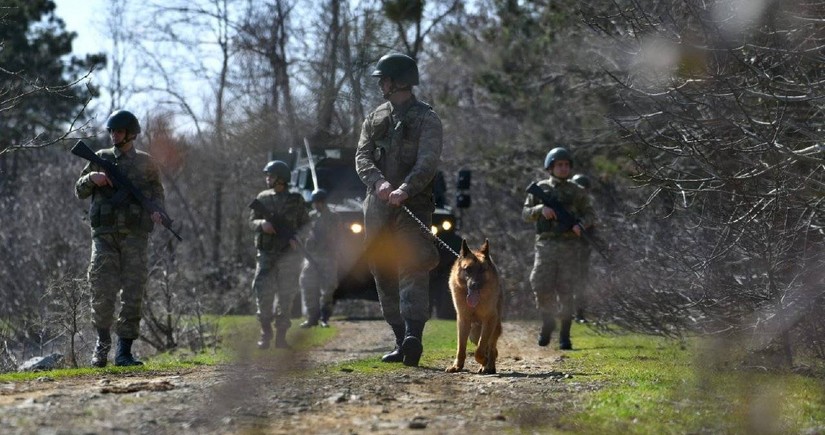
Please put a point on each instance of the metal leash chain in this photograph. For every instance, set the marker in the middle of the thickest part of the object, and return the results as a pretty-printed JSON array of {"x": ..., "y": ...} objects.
[{"x": 428, "y": 231}]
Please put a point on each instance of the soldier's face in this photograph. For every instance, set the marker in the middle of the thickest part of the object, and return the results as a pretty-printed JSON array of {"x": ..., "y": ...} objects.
[
  {"x": 275, "y": 183},
  {"x": 117, "y": 136},
  {"x": 385, "y": 84},
  {"x": 271, "y": 181},
  {"x": 561, "y": 169}
]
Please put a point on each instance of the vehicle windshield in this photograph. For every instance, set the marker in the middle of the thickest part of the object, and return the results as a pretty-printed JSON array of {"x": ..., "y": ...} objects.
[{"x": 340, "y": 180}]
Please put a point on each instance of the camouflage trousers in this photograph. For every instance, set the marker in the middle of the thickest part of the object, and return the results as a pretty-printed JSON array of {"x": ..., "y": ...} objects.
[
  {"x": 318, "y": 282},
  {"x": 275, "y": 285},
  {"x": 401, "y": 257},
  {"x": 118, "y": 265},
  {"x": 556, "y": 277}
]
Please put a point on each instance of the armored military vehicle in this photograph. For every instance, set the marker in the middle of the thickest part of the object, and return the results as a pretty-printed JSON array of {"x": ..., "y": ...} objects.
[{"x": 335, "y": 172}]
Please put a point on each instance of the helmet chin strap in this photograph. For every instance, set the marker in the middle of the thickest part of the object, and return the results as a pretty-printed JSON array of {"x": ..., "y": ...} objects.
[
  {"x": 394, "y": 89},
  {"x": 125, "y": 140}
]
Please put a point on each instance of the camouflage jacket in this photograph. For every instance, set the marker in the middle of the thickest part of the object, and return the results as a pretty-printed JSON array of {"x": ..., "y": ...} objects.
[
  {"x": 289, "y": 208},
  {"x": 571, "y": 196},
  {"x": 401, "y": 145},
  {"x": 325, "y": 229},
  {"x": 109, "y": 213}
]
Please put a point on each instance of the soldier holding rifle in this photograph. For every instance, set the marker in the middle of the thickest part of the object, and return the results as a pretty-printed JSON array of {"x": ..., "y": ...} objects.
[
  {"x": 120, "y": 233},
  {"x": 275, "y": 216},
  {"x": 561, "y": 211}
]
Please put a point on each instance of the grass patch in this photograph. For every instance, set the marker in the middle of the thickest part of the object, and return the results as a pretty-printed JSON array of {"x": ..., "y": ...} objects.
[
  {"x": 238, "y": 337},
  {"x": 654, "y": 386},
  {"x": 645, "y": 385}
]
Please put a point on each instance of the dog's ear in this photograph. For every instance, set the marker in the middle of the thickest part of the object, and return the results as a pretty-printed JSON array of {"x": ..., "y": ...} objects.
[
  {"x": 485, "y": 248},
  {"x": 465, "y": 250}
]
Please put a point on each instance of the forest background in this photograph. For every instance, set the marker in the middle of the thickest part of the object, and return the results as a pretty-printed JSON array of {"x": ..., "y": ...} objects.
[{"x": 700, "y": 124}]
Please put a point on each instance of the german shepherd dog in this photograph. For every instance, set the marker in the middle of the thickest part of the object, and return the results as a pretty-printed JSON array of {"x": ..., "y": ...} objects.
[{"x": 478, "y": 300}]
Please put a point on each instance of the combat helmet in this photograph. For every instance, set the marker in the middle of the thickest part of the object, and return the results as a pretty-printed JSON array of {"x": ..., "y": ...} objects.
[
  {"x": 318, "y": 195},
  {"x": 399, "y": 67},
  {"x": 582, "y": 180},
  {"x": 123, "y": 119},
  {"x": 278, "y": 169},
  {"x": 558, "y": 153}
]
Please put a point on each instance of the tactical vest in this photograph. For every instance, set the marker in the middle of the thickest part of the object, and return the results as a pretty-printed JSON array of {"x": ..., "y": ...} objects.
[
  {"x": 286, "y": 205},
  {"x": 113, "y": 210},
  {"x": 396, "y": 141},
  {"x": 565, "y": 193}
]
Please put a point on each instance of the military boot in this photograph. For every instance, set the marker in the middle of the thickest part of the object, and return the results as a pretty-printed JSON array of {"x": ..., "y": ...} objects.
[
  {"x": 326, "y": 313},
  {"x": 280, "y": 338},
  {"x": 123, "y": 355},
  {"x": 411, "y": 347},
  {"x": 396, "y": 356},
  {"x": 548, "y": 324},
  {"x": 104, "y": 343},
  {"x": 282, "y": 324},
  {"x": 564, "y": 335},
  {"x": 311, "y": 321},
  {"x": 266, "y": 335}
]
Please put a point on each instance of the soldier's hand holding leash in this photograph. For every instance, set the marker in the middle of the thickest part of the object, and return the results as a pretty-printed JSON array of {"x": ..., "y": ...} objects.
[
  {"x": 397, "y": 197},
  {"x": 386, "y": 192},
  {"x": 383, "y": 188}
]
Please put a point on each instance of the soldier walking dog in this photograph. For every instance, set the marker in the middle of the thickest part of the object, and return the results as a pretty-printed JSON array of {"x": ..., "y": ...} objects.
[{"x": 478, "y": 301}]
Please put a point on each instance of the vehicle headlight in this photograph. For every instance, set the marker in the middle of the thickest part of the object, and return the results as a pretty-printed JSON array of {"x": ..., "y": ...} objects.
[
  {"x": 356, "y": 228},
  {"x": 446, "y": 225}
]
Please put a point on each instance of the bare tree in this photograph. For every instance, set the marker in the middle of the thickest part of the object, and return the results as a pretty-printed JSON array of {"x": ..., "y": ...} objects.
[
  {"x": 403, "y": 13},
  {"x": 67, "y": 302},
  {"x": 723, "y": 107},
  {"x": 264, "y": 36}
]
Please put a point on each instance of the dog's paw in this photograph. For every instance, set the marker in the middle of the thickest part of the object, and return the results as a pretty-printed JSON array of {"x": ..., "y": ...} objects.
[
  {"x": 453, "y": 369},
  {"x": 487, "y": 371}
]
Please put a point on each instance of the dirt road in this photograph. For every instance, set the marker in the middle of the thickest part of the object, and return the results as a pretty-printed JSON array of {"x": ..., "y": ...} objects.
[{"x": 281, "y": 396}]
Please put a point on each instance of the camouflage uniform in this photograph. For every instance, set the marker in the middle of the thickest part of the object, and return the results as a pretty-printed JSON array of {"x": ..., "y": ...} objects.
[
  {"x": 120, "y": 234},
  {"x": 319, "y": 276},
  {"x": 555, "y": 277},
  {"x": 276, "y": 275},
  {"x": 403, "y": 146}
]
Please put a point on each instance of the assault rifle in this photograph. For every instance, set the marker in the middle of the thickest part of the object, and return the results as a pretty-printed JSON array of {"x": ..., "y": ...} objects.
[
  {"x": 565, "y": 219},
  {"x": 123, "y": 184},
  {"x": 283, "y": 230}
]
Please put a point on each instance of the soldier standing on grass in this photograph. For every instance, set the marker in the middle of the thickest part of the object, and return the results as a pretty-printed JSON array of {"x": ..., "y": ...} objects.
[
  {"x": 397, "y": 159},
  {"x": 278, "y": 259},
  {"x": 120, "y": 238},
  {"x": 319, "y": 275},
  {"x": 555, "y": 277}
]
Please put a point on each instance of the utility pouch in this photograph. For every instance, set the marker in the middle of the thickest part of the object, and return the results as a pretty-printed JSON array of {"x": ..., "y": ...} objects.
[
  {"x": 133, "y": 215},
  {"x": 102, "y": 215}
]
